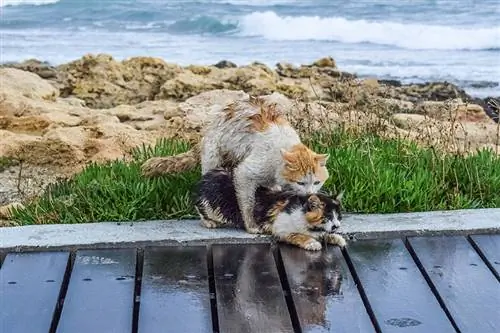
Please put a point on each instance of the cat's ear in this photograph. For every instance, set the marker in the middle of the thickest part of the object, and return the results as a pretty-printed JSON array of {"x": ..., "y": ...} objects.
[
  {"x": 287, "y": 156},
  {"x": 313, "y": 202},
  {"x": 321, "y": 159}
]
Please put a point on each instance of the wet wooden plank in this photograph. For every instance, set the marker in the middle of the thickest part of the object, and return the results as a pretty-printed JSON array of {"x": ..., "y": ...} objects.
[
  {"x": 100, "y": 292},
  {"x": 174, "y": 292},
  {"x": 489, "y": 245},
  {"x": 248, "y": 288},
  {"x": 323, "y": 291},
  {"x": 469, "y": 290},
  {"x": 30, "y": 286},
  {"x": 398, "y": 294}
]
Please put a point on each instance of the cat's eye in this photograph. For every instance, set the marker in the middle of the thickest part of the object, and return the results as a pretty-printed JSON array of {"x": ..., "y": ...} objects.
[
  {"x": 301, "y": 183},
  {"x": 316, "y": 182}
]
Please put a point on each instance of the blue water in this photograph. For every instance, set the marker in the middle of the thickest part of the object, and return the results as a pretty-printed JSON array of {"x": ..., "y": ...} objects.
[{"x": 412, "y": 41}]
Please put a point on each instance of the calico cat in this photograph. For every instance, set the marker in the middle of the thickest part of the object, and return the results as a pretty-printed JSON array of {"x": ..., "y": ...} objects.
[
  {"x": 285, "y": 214},
  {"x": 255, "y": 141}
]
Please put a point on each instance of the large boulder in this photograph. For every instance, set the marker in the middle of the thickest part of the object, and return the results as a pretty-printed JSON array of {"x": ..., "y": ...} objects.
[{"x": 103, "y": 82}]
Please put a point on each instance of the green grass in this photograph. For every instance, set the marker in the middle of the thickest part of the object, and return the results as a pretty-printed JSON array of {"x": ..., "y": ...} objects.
[
  {"x": 6, "y": 162},
  {"x": 378, "y": 175}
]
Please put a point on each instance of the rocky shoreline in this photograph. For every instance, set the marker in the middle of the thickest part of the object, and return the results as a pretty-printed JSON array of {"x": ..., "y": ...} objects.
[{"x": 55, "y": 119}]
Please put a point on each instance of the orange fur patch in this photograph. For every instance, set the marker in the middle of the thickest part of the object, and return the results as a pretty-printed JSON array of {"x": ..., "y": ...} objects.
[
  {"x": 301, "y": 160},
  {"x": 315, "y": 215},
  {"x": 267, "y": 116},
  {"x": 277, "y": 208},
  {"x": 230, "y": 111},
  {"x": 298, "y": 239}
]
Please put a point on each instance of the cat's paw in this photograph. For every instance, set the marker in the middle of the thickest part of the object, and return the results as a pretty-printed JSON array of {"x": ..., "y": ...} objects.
[
  {"x": 209, "y": 224},
  {"x": 312, "y": 245},
  {"x": 336, "y": 239},
  {"x": 255, "y": 230}
]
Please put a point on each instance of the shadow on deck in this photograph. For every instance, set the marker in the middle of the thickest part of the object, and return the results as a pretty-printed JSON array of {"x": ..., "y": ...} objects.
[{"x": 409, "y": 284}]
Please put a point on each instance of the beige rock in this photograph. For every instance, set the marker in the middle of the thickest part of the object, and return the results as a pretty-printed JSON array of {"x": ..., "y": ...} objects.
[
  {"x": 72, "y": 136},
  {"x": 185, "y": 85},
  {"x": 411, "y": 121},
  {"x": 21, "y": 83},
  {"x": 325, "y": 62},
  {"x": 102, "y": 82},
  {"x": 453, "y": 110},
  {"x": 398, "y": 106}
]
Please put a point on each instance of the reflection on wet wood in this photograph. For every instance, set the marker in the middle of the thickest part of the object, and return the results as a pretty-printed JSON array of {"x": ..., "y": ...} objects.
[
  {"x": 100, "y": 293},
  {"x": 468, "y": 288},
  {"x": 174, "y": 292},
  {"x": 397, "y": 292},
  {"x": 324, "y": 293},
  {"x": 248, "y": 289},
  {"x": 489, "y": 245},
  {"x": 29, "y": 290}
]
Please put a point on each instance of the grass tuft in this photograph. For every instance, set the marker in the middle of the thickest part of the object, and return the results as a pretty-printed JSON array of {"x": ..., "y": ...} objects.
[
  {"x": 379, "y": 175},
  {"x": 6, "y": 162}
]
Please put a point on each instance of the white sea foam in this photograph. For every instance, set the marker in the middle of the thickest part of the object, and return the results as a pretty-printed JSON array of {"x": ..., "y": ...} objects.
[
  {"x": 4, "y": 3},
  {"x": 410, "y": 36}
]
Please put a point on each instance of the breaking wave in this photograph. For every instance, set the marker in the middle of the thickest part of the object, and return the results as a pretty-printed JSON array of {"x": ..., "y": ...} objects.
[
  {"x": 271, "y": 26},
  {"x": 4, "y": 3}
]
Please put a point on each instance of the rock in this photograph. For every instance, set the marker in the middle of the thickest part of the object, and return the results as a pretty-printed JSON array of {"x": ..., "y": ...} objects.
[
  {"x": 185, "y": 85},
  {"x": 199, "y": 70},
  {"x": 22, "y": 83},
  {"x": 255, "y": 79},
  {"x": 325, "y": 62},
  {"x": 412, "y": 121},
  {"x": 225, "y": 64},
  {"x": 41, "y": 68},
  {"x": 453, "y": 110},
  {"x": 7, "y": 210},
  {"x": 393, "y": 83},
  {"x": 397, "y": 106},
  {"x": 102, "y": 82},
  {"x": 434, "y": 91}
]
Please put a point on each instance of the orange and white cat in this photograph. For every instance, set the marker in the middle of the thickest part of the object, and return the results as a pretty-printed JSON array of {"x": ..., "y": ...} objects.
[{"x": 255, "y": 141}]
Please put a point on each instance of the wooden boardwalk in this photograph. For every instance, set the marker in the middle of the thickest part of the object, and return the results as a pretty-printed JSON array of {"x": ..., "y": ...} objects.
[{"x": 416, "y": 284}]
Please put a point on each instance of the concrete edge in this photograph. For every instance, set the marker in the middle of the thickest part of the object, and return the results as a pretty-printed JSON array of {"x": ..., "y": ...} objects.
[{"x": 190, "y": 232}]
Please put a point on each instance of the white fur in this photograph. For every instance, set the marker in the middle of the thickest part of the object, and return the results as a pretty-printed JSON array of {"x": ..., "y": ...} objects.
[
  {"x": 285, "y": 224},
  {"x": 313, "y": 245}
]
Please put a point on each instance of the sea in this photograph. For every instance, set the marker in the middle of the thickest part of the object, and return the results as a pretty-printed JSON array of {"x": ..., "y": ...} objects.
[{"x": 408, "y": 40}]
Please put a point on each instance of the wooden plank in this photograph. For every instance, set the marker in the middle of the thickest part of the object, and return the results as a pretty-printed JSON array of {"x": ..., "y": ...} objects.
[
  {"x": 100, "y": 292},
  {"x": 323, "y": 291},
  {"x": 248, "y": 288},
  {"x": 489, "y": 245},
  {"x": 30, "y": 286},
  {"x": 175, "y": 293},
  {"x": 398, "y": 294},
  {"x": 468, "y": 289}
]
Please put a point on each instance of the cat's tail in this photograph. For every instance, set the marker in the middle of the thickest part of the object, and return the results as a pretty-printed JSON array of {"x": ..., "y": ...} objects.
[{"x": 156, "y": 166}]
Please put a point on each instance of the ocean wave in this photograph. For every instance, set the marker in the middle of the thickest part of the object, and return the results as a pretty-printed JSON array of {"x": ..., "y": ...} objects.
[
  {"x": 202, "y": 24},
  {"x": 256, "y": 2},
  {"x": 271, "y": 26},
  {"x": 4, "y": 3}
]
